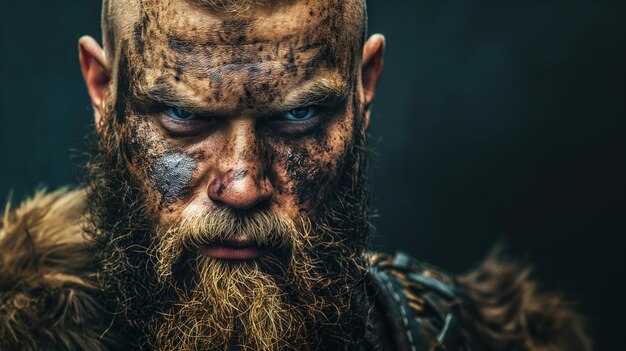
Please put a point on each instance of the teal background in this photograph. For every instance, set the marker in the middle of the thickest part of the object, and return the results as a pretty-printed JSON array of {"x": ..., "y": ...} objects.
[{"x": 494, "y": 121}]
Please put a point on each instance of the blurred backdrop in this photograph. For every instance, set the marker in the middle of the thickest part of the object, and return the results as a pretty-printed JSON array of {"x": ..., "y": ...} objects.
[{"x": 494, "y": 121}]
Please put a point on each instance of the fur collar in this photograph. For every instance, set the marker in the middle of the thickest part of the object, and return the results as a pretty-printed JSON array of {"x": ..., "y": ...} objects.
[
  {"x": 504, "y": 309},
  {"x": 49, "y": 295}
]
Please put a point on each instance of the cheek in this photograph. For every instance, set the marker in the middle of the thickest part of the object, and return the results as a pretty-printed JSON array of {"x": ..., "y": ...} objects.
[
  {"x": 172, "y": 174},
  {"x": 311, "y": 167},
  {"x": 163, "y": 172}
]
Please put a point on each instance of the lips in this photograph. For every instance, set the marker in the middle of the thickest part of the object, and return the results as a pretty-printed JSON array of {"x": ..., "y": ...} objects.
[{"x": 232, "y": 250}]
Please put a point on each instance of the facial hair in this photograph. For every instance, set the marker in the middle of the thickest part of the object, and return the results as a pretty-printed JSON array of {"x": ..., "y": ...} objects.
[
  {"x": 309, "y": 294},
  {"x": 258, "y": 305}
]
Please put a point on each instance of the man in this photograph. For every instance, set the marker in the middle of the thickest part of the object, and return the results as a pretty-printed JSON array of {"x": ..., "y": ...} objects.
[{"x": 226, "y": 205}]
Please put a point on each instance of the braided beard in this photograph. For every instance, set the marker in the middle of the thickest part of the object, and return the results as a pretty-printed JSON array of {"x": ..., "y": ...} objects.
[{"x": 309, "y": 295}]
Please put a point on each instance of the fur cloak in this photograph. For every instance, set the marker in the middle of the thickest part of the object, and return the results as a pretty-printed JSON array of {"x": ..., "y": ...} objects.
[{"x": 49, "y": 297}]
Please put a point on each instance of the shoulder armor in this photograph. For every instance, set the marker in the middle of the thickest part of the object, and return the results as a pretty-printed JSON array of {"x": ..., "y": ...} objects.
[{"x": 419, "y": 303}]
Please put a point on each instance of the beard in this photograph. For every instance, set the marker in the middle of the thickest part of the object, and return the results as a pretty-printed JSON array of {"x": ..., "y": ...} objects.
[
  {"x": 271, "y": 303},
  {"x": 308, "y": 292}
]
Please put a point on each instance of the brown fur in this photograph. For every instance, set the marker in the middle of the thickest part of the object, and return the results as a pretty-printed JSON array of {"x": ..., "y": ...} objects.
[
  {"x": 508, "y": 312},
  {"x": 48, "y": 294},
  {"x": 47, "y": 287}
]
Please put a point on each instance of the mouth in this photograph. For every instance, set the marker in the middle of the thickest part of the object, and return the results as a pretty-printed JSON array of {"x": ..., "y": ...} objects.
[{"x": 233, "y": 250}]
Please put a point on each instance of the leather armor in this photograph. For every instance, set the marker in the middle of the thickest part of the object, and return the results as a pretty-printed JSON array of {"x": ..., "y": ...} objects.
[{"x": 418, "y": 306}]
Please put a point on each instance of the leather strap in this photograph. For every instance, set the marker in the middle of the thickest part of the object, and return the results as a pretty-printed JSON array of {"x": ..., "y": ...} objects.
[
  {"x": 407, "y": 335},
  {"x": 404, "y": 320}
]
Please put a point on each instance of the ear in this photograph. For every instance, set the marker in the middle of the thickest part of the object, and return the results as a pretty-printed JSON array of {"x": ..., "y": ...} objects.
[
  {"x": 371, "y": 69},
  {"x": 96, "y": 73}
]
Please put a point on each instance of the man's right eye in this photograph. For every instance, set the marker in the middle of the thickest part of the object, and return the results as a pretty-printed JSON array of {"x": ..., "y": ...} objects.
[{"x": 179, "y": 114}]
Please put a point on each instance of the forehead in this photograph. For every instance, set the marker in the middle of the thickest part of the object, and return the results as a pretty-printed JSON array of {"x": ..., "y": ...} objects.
[{"x": 252, "y": 58}]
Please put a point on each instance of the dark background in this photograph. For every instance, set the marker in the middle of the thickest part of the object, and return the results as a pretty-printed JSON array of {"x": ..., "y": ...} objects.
[{"x": 495, "y": 121}]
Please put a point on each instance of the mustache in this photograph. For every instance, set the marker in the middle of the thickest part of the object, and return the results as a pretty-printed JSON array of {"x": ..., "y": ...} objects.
[{"x": 222, "y": 225}]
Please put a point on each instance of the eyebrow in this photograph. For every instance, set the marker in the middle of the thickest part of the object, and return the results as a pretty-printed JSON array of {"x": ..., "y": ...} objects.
[
  {"x": 317, "y": 91},
  {"x": 162, "y": 93}
]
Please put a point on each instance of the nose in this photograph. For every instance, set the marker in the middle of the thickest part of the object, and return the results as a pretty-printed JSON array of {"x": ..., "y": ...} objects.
[
  {"x": 239, "y": 180},
  {"x": 239, "y": 189}
]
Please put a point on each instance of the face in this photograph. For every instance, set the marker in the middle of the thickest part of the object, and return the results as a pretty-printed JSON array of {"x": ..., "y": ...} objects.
[
  {"x": 245, "y": 112},
  {"x": 230, "y": 165}
]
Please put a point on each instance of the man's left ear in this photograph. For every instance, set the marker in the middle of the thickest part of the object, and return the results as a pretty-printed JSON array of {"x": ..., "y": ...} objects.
[
  {"x": 371, "y": 69},
  {"x": 96, "y": 73}
]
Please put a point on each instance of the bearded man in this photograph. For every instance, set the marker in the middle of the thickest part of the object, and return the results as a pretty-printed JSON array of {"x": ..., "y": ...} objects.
[{"x": 225, "y": 206}]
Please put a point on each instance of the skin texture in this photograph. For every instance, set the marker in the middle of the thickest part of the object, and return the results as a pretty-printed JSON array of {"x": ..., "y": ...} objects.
[
  {"x": 172, "y": 173},
  {"x": 157, "y": 178},
  {"x": 239, "y": 73}
]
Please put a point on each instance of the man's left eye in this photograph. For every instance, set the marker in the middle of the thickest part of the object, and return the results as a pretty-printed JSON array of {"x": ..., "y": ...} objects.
[
  {"x": 300, "y": 114},
  {"x": 179, "y": 114}
]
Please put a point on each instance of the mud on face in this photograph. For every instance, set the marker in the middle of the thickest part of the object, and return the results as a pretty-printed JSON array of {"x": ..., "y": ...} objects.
[
  {"x": 199, "y": 119},
  {"x": 238, "y": 74}
]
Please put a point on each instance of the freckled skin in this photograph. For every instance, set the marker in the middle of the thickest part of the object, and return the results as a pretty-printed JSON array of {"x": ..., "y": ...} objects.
[{"x": 239, "y": 70}]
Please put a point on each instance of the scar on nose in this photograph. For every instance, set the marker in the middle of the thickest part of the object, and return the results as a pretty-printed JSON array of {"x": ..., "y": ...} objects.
[
  {"x": 219, "y": 184},
  {"x": 240, "y": 174}
]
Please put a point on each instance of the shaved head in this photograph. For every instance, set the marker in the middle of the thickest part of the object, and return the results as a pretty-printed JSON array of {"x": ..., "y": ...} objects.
[{"x": 120, "y": 17}]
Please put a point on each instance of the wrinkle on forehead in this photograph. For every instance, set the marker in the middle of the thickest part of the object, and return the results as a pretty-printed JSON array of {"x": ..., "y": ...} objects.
[
  {"x": 229, "y": 61},
  {"x": 191, "y": 23},
  {"x": 201, "y": 60},
  {"x": 180, "y": 19}
]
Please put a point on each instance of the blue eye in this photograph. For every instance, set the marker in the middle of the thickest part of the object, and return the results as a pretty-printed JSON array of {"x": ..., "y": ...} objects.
[
  {"x": 300, "y": 114},
  {"x": 177, "y": 113}
]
